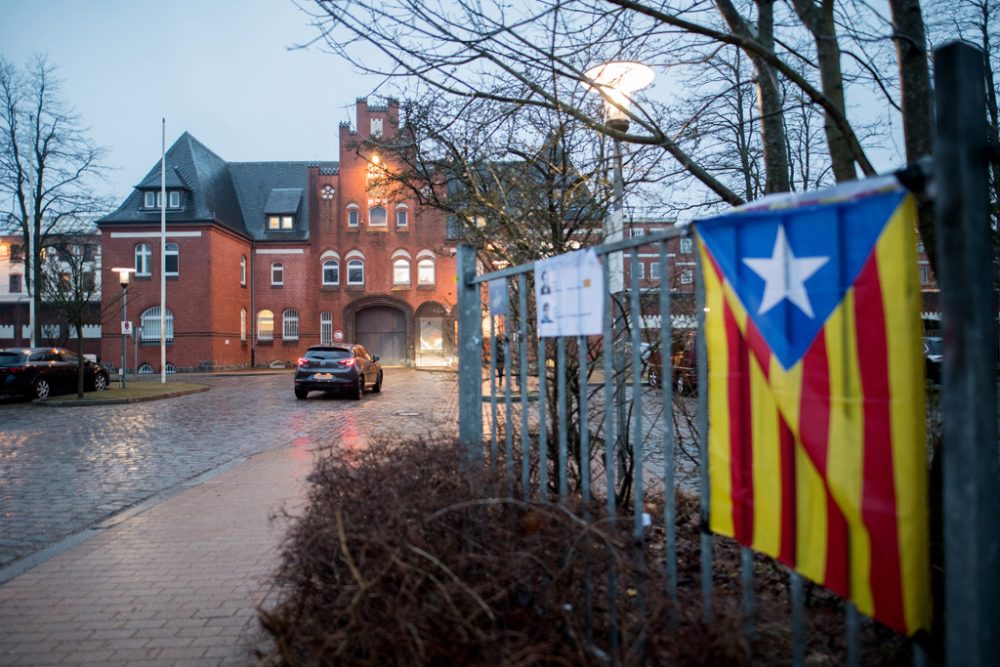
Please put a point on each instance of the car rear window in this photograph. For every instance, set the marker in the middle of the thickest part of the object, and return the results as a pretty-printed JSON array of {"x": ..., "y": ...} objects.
[
  {"x": 11, "y": 358},
  {"x": 336, "y": 353}
]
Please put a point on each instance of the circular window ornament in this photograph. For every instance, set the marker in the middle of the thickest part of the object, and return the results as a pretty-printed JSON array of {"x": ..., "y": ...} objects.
[{"x": 328, "y": 192}]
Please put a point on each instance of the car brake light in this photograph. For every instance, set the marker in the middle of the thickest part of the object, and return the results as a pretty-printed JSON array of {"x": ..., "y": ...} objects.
[
  {"x": 348, "y": 362},
  {"x": 303, "y": 362}
]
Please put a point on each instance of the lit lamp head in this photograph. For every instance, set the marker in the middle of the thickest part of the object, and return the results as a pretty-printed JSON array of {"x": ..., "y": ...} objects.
[
  {"x": 617, "y": 81},
  {"x": 123, "y": 276}
]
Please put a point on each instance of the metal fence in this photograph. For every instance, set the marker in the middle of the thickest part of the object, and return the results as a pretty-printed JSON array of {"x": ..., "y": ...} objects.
[{"x": 520, "y": 414}]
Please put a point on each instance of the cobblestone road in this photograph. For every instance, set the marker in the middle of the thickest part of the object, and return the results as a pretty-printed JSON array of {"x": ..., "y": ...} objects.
[{"x": 65, "y": 469}]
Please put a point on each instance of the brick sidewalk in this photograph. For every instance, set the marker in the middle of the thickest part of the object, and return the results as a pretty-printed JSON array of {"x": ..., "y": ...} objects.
[{"x": 177, "y": 584}]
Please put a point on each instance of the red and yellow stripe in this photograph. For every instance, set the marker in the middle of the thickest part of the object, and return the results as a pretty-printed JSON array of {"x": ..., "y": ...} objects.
[{"x": 823, "y": 465}]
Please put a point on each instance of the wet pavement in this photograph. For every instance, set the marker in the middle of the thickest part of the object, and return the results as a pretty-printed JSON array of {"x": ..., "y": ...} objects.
[{"x": 64, "y": 470}]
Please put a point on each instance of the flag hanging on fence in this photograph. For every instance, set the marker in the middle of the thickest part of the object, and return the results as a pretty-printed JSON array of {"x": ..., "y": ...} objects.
[{"x": 816, "y": 393}]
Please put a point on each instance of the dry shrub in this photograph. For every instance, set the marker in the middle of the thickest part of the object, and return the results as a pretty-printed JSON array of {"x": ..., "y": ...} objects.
[{"x": 405, "y": 558}]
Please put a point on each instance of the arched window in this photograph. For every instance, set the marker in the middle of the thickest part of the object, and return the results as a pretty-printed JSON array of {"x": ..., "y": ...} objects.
[
  {"x": 243, "y": 324},
  {"x": 401, "y": 271},
  {"x": 143, "y": 255},
  {"x": 146, "y": 369},
  {"x": 170, "y": 368},
  {"x": 425, "y": 271},
  {"x": 356, "y": 272},
  {"x": 326, "y": 328},
  {"x": 277, "y": 274},
  {"x": 353, "y": 215},
  {"x": 150, "y": 322},
  {"x": 172, "y": 258},
  {"x": 402, "y": 216},
  {"x": 290, "y": 325},
  {"x": 331, "y": 272},
  {"x": 265, "y": 325},
  {"x": 376, "y": 216}
]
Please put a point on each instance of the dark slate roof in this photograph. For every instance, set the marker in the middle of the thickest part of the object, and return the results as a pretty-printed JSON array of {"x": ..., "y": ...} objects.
[
  {"x": 237, "y": 195},
  {"x": 283, "y": 200}
]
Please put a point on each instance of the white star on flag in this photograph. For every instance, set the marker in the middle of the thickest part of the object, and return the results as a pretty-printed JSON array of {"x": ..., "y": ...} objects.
[{"x": 785, "y": 275}]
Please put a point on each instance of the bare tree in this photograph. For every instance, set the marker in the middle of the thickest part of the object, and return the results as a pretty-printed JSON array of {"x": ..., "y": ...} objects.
[{"x": 48, "y": 165}]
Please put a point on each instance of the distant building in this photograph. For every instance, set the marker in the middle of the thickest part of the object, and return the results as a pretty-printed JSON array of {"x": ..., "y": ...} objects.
[{"x": 264, "y": 259}]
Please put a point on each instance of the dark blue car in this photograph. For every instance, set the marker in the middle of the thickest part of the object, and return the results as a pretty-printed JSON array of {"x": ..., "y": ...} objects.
[{"x": 43, "y": 371}]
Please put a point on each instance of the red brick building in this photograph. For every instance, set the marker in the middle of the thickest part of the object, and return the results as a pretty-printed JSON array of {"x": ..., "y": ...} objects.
[{"x": 265, "y": 259}]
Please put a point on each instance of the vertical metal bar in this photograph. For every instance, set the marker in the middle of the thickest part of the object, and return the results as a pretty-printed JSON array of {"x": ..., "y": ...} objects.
[
  {"x": 638, "y": 457},
  {"x": 470, "y": 351},
  {"x": 667, "y": 385},
  {"x": 748, "y": 604},
  {"x": 561, "y": 411},
  {"x": 969, "y": 396},
  {"x": 494, "y": 454},
  {"x": 852, "y": 625},
  {"x": 543, "y": 435},
  {"x": 581, "y": 342},
  {"x": 703, "y": 416},
  {"x": 522, "y": 343},
  {"x": 798, "y": 603},
  {"x": 508, "y": 411},
  {"x": 610, "y": 457}
]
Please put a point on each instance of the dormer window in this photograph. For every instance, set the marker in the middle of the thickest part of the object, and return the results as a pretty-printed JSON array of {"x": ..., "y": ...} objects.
[
  {"x": 280, "y": 221},
  {"x": 153, "y": 199}
]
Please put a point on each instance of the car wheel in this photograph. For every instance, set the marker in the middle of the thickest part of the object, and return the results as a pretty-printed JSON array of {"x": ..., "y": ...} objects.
[
  {"x": 100, "y": 382},
  {"x": 360, "y": 389},
  {"x": 301, "y": 393},
  {"x": 41, "y": 388},
  {"x": 377, "y": 387}
]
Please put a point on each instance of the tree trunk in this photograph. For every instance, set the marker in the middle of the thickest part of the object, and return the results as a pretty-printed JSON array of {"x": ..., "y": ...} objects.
[
  {"x": 819, "y": 21},
  {"x": 768, "y": 93},
  {"x": 917, "y": 103}
]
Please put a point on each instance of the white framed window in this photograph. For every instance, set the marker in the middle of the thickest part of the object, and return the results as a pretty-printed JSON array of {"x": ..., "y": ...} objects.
[
  {"x": 377, "y": 216},
  {"x": 172, "y": 258},
  {"x": 150, "y": 323},
  {"x": 376, "y": 127},
  {"x": 331, "y": 272},
  {"x": 174, "y": 199},
  {"x": 146, "y": 369},
  {"x": 149, "y": 199},
  {"x": 326, "y": 328},
  {"x": 654, "y": 270},
  {"x": 638, "y": 231},
  {"x": 280, "y": 221},
  {"x": 687, "y": 277},
  {"x": 686, "y": 246},
  {"x": 640, "y": 270},
  {"x": 154, "y": 199},
  {"x": 290, "y": 324},
  {"x": 425, "y": 271},
  {"x": 243, "y": 324},
  {"x": 400, "y": 271},
  {"x": 243, "y": 270},
  {"x": 402, "y": 216},
  {"x": 143, "y": 257},
  {"x": 925, "y": 273},
  {"x": 265, "y": 325},
  {"x": 15, "y": 283},
  {"x": 356, "y": 272},
  {"x": 277, "y": 274},
  {"x": 353, "y": 215}
]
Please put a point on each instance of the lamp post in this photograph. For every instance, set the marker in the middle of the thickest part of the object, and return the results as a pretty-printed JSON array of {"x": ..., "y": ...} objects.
[{"x": 123, "y": 278}]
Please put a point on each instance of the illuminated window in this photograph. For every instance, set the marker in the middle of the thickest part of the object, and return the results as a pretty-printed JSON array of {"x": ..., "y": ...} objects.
[
  {"x": 280, "y": 221},
  {"x": 265, "y": 325},
  {"x": 243, "y": 324},
  {"x": 377, "y": 216},
  {"x": 243, "y": 270},
  {"x": 401, "y": 272},
  {"x": 425, "y": 271}
]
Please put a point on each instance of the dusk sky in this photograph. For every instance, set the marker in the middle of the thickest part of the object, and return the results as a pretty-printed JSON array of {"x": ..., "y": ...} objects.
[{"x": 219, "y": 69}]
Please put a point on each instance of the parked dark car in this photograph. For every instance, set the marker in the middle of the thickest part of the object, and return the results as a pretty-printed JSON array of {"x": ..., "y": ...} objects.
[
  {"x": 933, "y": 354},
  {"x": 44, "y": 371},
  {"x": 346, "y": 368}
]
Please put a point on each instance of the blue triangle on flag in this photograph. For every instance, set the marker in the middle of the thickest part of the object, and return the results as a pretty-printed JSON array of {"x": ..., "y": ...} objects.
[{"x": 790, "y": 268}]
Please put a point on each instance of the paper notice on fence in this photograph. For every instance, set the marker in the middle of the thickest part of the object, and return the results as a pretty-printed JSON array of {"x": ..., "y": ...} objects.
[{"x": 569, "y": 292}]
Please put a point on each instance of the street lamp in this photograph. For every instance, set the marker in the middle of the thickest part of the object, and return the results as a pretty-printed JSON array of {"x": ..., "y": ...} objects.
[{"x": 123, "y": 278}]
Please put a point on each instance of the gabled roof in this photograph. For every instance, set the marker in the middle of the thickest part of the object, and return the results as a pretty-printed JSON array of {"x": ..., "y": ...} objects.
[{"x": 236, "y": 195}]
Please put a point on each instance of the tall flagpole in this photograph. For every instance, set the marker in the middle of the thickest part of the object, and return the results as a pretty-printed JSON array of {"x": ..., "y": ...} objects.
[{"x": 163, "y": 253}]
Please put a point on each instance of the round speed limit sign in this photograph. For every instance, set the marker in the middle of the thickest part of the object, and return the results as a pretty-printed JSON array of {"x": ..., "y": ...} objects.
[{"x": 338, "y": 335}]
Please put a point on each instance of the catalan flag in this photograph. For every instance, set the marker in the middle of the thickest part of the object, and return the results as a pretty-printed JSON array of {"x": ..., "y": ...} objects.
[{"x": 816, "y": 393}]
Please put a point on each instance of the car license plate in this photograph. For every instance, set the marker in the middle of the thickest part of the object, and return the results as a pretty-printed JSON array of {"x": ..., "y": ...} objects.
[{"x": 323, "y": 376}]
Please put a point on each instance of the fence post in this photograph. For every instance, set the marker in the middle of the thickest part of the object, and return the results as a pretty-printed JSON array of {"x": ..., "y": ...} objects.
[
  {"x": 470, "y": 354},
  {"x": 971, "y": 481}
]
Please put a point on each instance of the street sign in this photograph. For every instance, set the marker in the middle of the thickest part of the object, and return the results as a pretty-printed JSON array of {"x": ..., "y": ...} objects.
[
  {"x": 126, "y": 328},
  {"x": 338, "y": 335}
]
